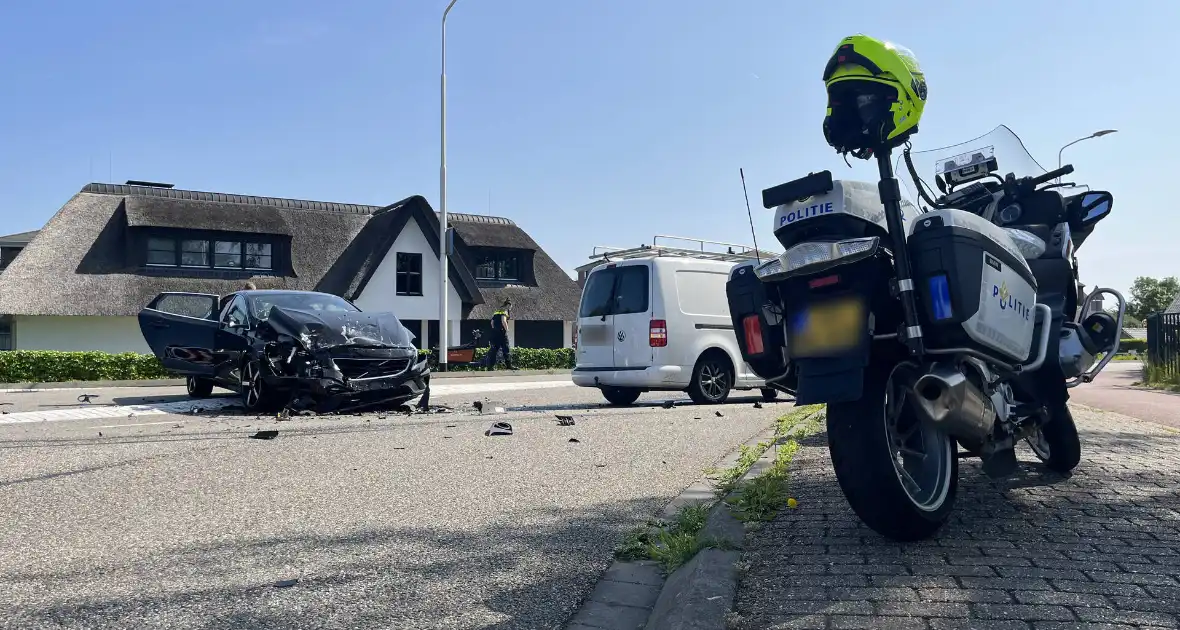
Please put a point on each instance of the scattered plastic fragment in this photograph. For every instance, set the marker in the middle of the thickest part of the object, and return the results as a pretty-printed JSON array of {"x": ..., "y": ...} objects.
[
  {"x": 85, "y": 398},
  {"x": 565, "y": 421},
  {"x": 265, "y": 435},
  {"x": 286, "y": 583},
  {"x": 575, "y": 440},
  {"x": 499, "y": 428}
]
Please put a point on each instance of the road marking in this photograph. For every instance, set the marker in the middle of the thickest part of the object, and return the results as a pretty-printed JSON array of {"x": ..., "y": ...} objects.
[
  {"x": 137, "y": 424},
  {"x": 97, "y": 412}
]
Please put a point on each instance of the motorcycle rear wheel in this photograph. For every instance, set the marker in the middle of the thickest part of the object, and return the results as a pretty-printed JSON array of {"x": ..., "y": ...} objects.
[{"x": 899, "y": 475}]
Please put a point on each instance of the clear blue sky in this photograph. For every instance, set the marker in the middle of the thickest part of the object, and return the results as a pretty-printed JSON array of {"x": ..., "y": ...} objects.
[{"x": 586, "y": 121}]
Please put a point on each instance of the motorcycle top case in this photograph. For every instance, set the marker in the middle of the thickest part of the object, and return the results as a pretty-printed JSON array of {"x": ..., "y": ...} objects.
[
  {"x": 852, "y": 209},
  {"x": 974, "y": 286}
]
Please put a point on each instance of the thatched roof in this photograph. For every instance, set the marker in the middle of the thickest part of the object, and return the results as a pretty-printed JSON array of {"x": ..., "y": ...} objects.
[{"x": 78, "y": 263}]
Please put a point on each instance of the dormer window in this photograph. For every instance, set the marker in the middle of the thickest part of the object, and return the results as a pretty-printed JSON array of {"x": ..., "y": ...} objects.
[
  {"x": 195, "y": 250},
  {"x": 501, "y": 266}
]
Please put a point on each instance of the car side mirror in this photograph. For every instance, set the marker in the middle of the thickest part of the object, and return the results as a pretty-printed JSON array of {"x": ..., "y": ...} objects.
[{"x": 1094, "y": 207}]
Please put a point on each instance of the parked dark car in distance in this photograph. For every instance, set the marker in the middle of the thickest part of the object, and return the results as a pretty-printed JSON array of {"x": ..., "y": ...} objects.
[{"x": 312, "y": 350}]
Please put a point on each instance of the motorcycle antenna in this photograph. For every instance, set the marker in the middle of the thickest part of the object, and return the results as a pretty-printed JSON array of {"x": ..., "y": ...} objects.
[{"x": 750, "y": 215}]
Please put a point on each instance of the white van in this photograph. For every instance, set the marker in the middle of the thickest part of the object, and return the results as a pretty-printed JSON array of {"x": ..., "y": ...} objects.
[{"x": 660, "y": 323}]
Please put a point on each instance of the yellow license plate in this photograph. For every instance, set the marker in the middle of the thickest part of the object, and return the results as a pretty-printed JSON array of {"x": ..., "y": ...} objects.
[{"x": 828, "y": 328}]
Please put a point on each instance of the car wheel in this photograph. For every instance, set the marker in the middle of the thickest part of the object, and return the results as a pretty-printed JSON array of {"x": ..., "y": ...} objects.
[
  {"x": 769, "y": 394},
  {"x": 198, "y": 387},
  {"x": 712, "y": 379},
  {"x": 256, "y": 394},
  {"x": 620, "y": 395}
]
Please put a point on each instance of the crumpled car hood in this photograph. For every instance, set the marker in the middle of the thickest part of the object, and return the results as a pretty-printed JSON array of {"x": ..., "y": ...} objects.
[{"x": 326, "y": 329}]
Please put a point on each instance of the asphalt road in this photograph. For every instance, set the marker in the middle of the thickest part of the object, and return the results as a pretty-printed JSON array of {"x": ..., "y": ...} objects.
[
  {"x": 153, "y": 519},
  {"x": 1113, "y": 391}
]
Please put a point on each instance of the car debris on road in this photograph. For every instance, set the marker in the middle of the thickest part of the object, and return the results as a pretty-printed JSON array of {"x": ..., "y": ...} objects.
[{"x": 499, "y": 428}]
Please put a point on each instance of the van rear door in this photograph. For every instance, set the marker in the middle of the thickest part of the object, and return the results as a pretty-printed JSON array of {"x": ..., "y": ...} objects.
[
  {"x": 632, "y": 315},
  {"x": 596, "y": 324}
]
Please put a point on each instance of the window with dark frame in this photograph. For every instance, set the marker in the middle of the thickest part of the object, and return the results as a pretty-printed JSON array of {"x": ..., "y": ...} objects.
[
  {"x": 5, "y": 336},
  {"x": 205, "y": 253},
  {"x": 409, "y": 274},
  {"x": 497, "y": 266},
  {"x": 161, "y": 252}
]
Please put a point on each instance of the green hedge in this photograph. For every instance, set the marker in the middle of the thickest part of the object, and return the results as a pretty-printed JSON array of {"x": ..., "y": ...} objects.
[
  {"x": 47, "y": 366},
  {"x": 1127, "y": 345},
  {"x": 523, "y": 359}
]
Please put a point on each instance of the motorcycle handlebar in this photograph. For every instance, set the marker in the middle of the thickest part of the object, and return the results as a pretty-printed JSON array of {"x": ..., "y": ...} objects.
[{"x": 1064, "y": 170}]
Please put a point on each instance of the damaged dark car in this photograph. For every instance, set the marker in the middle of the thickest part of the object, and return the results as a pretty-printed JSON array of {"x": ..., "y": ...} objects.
[{"x": 297, "y": 349}]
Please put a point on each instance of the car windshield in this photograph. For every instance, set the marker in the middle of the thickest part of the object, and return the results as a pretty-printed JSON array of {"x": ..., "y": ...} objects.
[
  {"x": 1000, "y": 144},
  {"x": 261, "y": 304}
]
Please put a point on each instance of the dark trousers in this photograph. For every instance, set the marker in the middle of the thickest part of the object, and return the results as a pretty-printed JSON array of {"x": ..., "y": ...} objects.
[{"x": 498, "y": 345}]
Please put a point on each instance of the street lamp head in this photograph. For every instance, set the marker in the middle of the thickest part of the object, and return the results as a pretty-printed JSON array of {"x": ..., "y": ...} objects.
[{"x": 1099, "y": 134}]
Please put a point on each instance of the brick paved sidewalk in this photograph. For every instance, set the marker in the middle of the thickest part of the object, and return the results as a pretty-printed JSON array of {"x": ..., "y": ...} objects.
[{"x": 1100, "y": 549}]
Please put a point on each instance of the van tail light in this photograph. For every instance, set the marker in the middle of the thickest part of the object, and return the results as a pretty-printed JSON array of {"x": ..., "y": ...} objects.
[
  {"x": 657, "y": 333},
  {"x": 752, "y": 328}
]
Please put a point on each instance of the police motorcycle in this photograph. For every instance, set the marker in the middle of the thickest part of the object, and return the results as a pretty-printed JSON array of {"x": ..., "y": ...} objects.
[{"x": 954, "y": 324}]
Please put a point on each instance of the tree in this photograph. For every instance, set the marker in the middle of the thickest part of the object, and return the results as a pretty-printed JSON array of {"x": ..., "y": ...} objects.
[{"x": 1152, "y": 295}]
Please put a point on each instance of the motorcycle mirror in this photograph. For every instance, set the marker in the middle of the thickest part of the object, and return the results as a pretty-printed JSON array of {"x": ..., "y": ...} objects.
[
  {"x": 1095, "y": 206},
  {"x": 940, "y": 183}
]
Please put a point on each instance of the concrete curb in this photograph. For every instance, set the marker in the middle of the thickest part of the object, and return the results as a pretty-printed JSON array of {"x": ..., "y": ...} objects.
[
  {"x": 631, "y": 595},
  {"x": 700, "y": 594},
  {"x": 175, "y": 382}
]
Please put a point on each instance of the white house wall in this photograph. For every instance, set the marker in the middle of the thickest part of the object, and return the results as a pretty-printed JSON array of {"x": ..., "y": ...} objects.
[
  {"x": 103, "y": 334},
  {"x": 380, "y": 293}
]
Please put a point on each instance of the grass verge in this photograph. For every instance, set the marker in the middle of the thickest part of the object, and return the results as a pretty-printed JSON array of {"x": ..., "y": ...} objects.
[{"x": 1160, "y": 377}]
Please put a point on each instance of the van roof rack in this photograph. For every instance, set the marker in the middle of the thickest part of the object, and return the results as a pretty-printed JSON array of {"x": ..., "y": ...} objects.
[{"x": 698, "y": 248}]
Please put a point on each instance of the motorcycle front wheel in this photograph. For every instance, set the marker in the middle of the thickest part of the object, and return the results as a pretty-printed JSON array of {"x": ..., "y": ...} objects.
[{"x": 899, "y": 475}]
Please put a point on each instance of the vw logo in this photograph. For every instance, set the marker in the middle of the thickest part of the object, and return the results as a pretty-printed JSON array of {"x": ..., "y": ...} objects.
[{"x": 622, "y": 335}]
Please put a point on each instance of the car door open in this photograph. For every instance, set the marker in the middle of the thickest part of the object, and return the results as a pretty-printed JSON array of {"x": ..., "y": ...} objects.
[{"x": 181, "y": 329}]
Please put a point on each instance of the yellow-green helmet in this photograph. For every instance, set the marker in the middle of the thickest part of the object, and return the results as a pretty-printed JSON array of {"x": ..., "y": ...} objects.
[{"x": 876, "y": 93}]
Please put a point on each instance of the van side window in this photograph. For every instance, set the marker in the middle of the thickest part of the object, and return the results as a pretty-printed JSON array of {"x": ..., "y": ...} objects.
[
  {"x": 631, "y": 295},
  {"x": 596, "y": 300}
]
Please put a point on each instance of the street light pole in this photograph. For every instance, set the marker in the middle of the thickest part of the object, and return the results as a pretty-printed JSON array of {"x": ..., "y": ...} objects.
[
  {"x": 1096, "y": 134},
  {"x": 442, "y": 223}
]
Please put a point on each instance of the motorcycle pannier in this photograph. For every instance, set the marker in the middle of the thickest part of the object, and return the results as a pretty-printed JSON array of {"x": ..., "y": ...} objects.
[
  {"x": 760, "y": 334},
  {"x": 975, "y": 289}
]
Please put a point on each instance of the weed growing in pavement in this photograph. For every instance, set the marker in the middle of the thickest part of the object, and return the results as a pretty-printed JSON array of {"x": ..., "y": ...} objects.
[
  {"x": 674, "y": 543},
  {"x": 670, "y": 543},
  {"x": 761, "y": 498},
  {"x": 726, "y": 480}
]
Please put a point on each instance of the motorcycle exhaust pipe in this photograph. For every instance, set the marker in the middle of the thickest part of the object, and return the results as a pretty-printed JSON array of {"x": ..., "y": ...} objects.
[{"x": 946, "y": 398}]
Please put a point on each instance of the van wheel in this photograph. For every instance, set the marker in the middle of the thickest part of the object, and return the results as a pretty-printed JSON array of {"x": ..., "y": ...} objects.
[
  {"x": 620, "y": 395},
  {"x": 712, "y": 379},
  {"x": 769, "y": 394},
  {"x": 198, "y": 387}
]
